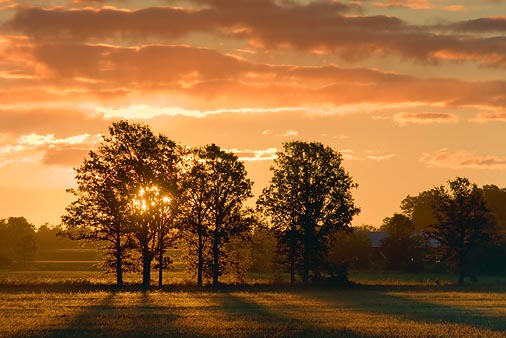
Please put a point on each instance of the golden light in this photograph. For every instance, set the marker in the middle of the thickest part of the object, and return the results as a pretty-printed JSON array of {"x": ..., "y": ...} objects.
[{"x": 149, "y": 198}]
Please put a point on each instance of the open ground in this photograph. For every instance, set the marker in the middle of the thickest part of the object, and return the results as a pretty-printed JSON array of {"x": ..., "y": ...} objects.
[{"x": 36, "y": 305}]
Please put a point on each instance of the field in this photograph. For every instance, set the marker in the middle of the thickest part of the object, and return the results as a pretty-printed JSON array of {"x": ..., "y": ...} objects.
[
  {"x": 64, "y": 295},
  {"x": 70, "y": 304}
]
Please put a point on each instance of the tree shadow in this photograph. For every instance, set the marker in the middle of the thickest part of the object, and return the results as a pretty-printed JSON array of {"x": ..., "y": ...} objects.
[
  {"x": 407, "y": 308},
  {"x": 100, "y": 320},
  {"x": 272, "y": 321}
]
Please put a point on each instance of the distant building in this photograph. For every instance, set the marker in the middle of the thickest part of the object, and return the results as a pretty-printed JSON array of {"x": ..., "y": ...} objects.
[{"x": 376, "y": 238}]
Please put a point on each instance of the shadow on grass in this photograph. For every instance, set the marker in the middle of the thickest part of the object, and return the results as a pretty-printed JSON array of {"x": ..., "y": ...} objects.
[
  {"x": 269, "y": 322},
  {"x": 387, "y": 302},
  {"x": 111, "y": 319}
]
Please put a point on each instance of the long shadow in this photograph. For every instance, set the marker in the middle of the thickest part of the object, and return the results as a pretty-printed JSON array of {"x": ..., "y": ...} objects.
[
  {"x": 274, "y": 322},
  {"x": 99, "y": 320},
  {"x": 377, "y": 300}
]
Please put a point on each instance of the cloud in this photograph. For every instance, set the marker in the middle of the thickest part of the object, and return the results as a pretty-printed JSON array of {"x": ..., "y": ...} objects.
[
  {"x": 190, "y": 73},
  {"x": 455, "y": 8},
  {"x": 348, "y": 154},
  {"x": 48, "y": 149},
  {"x": 249, "y": 155},
  {"x": 403, "y": 119},
  {"x": 484, "y": 117},
  {"x": 462, "y": 160},
  {"x": 411, "y": 4},
  {"x": 481, "y": 25},
  {"x": 380, "y": 157},
  {"x": 267, "y": 25},
  {"x": 289, "y": 133},
  {"x": 62, "y": 121},
  {"x": 146, "y": 112}
]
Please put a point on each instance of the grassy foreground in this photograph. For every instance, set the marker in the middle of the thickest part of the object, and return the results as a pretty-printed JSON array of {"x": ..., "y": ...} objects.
[{"x": 378, "y": 311}]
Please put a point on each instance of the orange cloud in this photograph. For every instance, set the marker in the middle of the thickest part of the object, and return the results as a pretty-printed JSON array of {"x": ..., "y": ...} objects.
[
  {"x": 47, "y": 149},
  {"x": 484, "y": 117},
  {"x": 267, "y": 24},
  {"x": 412, "y": 4},
  {"x": 249, "y": 155},
  {"x": 490, "y": 24},
  {"x": 455, "y": 8},
  {"x": 463, "y": 159},
  {"x": 404, "y": 119}
]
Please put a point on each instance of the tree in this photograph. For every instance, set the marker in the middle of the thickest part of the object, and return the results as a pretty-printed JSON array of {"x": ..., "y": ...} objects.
[
  {"x": 405, "y": 247},
  {"x": 17, "y": 240},
  {"x": 123, "y": 194},
  {"x": 195, "y": 208},
  {"x": 308, "y": 200},
  {"x": 214, "y": 189},
  {"x": 99, "y": 212},
  {"x": 419, "y": 209},
  {"x": 147, "y": 168},
  {"x": 350, "y": 248},
  {"x": 461, "y": 218}
]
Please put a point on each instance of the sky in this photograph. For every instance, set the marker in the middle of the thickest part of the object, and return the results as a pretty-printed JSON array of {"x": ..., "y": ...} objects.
[{"x": 412, "y": 93}]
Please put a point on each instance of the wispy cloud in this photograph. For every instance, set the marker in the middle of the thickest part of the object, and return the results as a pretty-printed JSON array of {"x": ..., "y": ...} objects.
[
  {"x": 370, "y": 155},
  {"x": 485, "y": 117},
  {"x": 462, "y": 159},
  {"x": 249, "y": 155},
  {"x": 289, "y": 133},
  {"x": 412, "y": 4},
  {"x": 404, "y": 119},
  {"x": 146, "y": 112},
  {"x": 455, "y": 8},
  {"x": 48, "y": 149}
]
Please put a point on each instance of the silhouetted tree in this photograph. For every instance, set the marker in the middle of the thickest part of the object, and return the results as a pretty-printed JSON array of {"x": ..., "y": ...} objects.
[
  {"x": 419, "y": 209},
  {"x": 100, "y": 210},
  {"x": 308, "y": 199},
  {"x": 494, "y": 251},
  {"x": 123, "y": 195},
  {"x": 228, "y": 188},
  {"x": 461, "y": 218},
  {"x": 147, "y": 166},
  {"x": 350, "y": 249},
  {"x": 17, "y": 240},
  {"x": 404, "y": 248},
  {"x": 195, "y": 215}
]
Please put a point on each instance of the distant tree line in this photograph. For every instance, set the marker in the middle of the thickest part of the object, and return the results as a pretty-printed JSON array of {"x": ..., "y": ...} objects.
[
  {"x": 457, "y": 227},
  {"x": 21, "y": 242}
]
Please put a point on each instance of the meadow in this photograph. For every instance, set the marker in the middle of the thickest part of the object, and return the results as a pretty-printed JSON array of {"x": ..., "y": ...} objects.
[
  {"x": 64, "y": 294},
  {"x": 86, "y": 304}
]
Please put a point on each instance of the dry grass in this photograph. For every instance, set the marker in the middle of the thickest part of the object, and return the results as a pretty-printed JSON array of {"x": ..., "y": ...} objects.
[{"x": 256, "y": 312}]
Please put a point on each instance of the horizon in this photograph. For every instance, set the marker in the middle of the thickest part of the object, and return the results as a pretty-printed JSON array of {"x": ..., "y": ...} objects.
[{"x": 411, "y": 93}]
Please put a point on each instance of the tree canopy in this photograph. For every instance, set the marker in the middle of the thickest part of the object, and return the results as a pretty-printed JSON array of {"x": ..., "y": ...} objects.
[
  {"x": 461, "y": 219},
  {"x": 308, "y": 199}
]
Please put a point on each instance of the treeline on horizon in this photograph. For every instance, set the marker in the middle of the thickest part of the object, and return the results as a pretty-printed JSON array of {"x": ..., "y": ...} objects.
[{"x": 140, "y": 194}]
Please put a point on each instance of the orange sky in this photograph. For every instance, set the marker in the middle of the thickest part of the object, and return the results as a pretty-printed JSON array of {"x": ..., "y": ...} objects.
[{"x": 412, "y": 93}]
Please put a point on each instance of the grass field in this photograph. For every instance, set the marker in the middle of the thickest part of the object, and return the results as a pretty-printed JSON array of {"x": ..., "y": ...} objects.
[
  {"x": 81, "y": 301},
  {"x": 254, "y": 312}
]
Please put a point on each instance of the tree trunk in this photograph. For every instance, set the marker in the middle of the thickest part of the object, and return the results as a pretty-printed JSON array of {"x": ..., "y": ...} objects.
[
  {"x": 146, "y": 268},
  {"x": 119, "y": 265},
  {"x": 305, "y": 271},
  {"x": 292, "y": 261},
  {"x": 160, "y": 258},
  {"x": 292, "y": 270},
  {"x": 200, "y": 266},
  {"x": 216, "y": 262},
  {"x": 461, "y": 264},
  {"x": 119, "y": 258}
]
